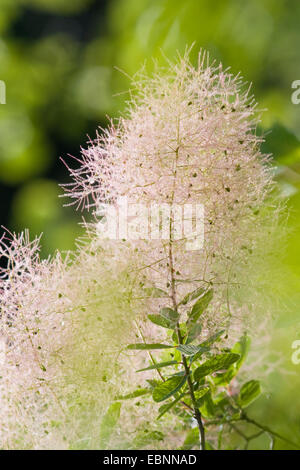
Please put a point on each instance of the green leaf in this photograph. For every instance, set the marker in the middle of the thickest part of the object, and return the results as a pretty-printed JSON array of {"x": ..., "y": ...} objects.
[
  {"x": 158, "y": 365},
  {"x": 241, "y": 348},
  {"x": 153, "y": 383},
  {"x": 208, "y": 342},
  {"x": 205, "y": 345},
  {"x": 183, "y": 333},
  {"x": 222, "y": 361},
  {"x": 168, "y": 388},
  {"x": 168, "y": 406},
  {"x": 108, "y": 423},
  {"x": 200, "y": 306},
  {"x": 167, "y": 318},
  {"x": 222, "y": 400},
  {"x": 249, "y": 392},
  {"x": 137, "y": 393},
  {"x": 211, "y": 339},
  {"x": 191, "y": 440},
  {"x": 194, "y": 333},
  {"x": 160, "y": 321},
  {"x": 155, "y": 292},
  {"x": 143, "y": 346},
  {"x": 201, "y": 392},
  {"x": 175, "y": 338},
  {"x": 207, "y": 406},
  {"x": 190, "y": 349},
  {"x": 193, "y": 295},
  {"x": 169, "y": 314}
]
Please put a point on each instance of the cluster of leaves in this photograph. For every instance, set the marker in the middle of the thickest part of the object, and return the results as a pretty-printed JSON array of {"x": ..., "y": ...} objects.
[{"x": 201, "y": 371}]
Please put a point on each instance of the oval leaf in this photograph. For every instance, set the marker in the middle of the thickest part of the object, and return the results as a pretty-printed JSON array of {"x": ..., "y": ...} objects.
[
  {"x": 168, "y": 406},
  {"x": 241, "y": 348},
  {"x": 200, "y": 393},
  {"x": 194, "y": 333},
  {"x": 200, "y": 306},
  {"x": 167, "y": 318},
  {"x": 193, "y": 295},
  {"x": 168, "y": 388},
  {"x": 249, "y": 392},
  {"x": 169, "y": 314},
  {"x": 162, "y": 321},
  {"x": 222, "y": 361}
]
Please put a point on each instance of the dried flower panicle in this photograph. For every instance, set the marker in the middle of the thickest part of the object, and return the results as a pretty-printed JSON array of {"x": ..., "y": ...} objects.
[
  {"x": 188, "y": 137},
  {"x": 60, "y": 324}
]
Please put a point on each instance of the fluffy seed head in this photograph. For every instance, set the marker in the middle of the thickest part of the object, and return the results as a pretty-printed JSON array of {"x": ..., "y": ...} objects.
[{"x": 188, "y": 136}]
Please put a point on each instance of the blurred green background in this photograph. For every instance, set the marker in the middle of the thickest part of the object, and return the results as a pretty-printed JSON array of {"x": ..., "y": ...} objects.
[{"x": 60, "y": 60}]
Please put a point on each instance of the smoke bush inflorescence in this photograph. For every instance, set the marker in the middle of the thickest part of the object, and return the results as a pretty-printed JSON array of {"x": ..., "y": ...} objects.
[{"x": 187, "y": 137}]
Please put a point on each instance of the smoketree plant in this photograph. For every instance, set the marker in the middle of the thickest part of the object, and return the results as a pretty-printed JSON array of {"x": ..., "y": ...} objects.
[
  {"x": 189, "y": 137},
  {"x": 152, "y": 313}
]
